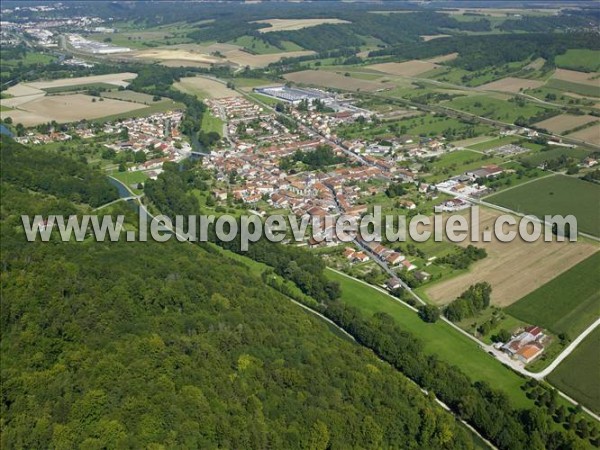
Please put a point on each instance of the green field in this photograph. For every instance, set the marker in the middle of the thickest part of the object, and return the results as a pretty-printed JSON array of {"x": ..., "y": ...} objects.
[
  {"x": 580, "y": 59},
  {"x": 567, "y": 304},
  {"x": 457, "y": 162},
  {"x": 576, "y": 88},
  {"x": 439, "y": 338},
  {"x": 539, "y": 157},
  {"x": 131, "y": 179},
  {"x": 211, "y": 123},
  {"x": 270, "y": 101},
  {"x": 262, "y": 47},
  {"x": 79, "y": 87},
  {"x": 577, "y": 375},
  {"x": 494, "y": 108},
  {"x": 556, "y": 195}
]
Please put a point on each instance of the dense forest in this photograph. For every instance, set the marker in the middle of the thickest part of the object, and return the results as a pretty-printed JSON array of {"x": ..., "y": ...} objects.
[
  {"x": 487, "y": 409},
  {"x": 167, "y": 345},
  {"x": 478, "y": 52}
]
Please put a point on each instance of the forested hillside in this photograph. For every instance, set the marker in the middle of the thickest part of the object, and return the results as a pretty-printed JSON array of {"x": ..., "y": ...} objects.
[{"x": 167, "y": 345}]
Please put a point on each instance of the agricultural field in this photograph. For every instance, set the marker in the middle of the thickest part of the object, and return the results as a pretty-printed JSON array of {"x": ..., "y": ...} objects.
[
  {"x": 439, "y": 338},
  {"x": 129, "y": 96},
  {"x": 565, "y": 122},
  {"x": 332, "y": 80},
  {"x": 574, "y": 76},
  {"x": 443, "y": 58},
  {"x": 511, "y": 85},
  {"x": 586, "y": 90},
  {"x": 495, "y": 108},
  {"x": 404, "y": 69},
  {"x": 537, "y": 158},
  {"x": 589, "y": 134},
  {"x": 577, "y": 375},
  {"x": 114, "y": 79},
  {"x": 294, "y": 24},
  {"x": 513, "y": 269},
  {"x": 579, "y": 59},
  {"x": 68, "y": 108},
  {"x": 567, "y": 304},
  {"x": 261, "y": 47},
  {"x": 194, "y": 54},
  {"x": 204, "y": 88},
  {"x": 556, "y": 195}
]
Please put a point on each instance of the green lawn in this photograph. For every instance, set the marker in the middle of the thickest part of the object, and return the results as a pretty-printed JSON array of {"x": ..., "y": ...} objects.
[
  {"x": 131, "y": 179},
  {"x": 556, "y": 195},
  {"x": 439, "y": 338},
  {"x": 578, "y": 375},
  {"x": 567, "y": 304},
  {"x": 579, "y": 59},
  {"x": 270, "y": 101},
  {"x": 211, "y": 123},
  {"x": 458, "y": 162}
]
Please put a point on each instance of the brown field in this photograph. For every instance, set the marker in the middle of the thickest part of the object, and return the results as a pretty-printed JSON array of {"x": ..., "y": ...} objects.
[
  {"x": 536, "y": 64},
  {"x": 404, "y": 69},
  {"x": 15, "y": 102},
  {"x": 332, "y": 80},
  {"x": 590, "y": 134},
  {"x": 200, "y": 55},
  {"x": 20, "y": 90},
  {"x": 67, "y": 108},
  {"x": 502, "y": 12},
  {"x": 118, "y": 79},
  {"x": 295, "y": 24},
  {"x": 443, "y": 58},
  {"x": 176, "y": 54},
  {"x": 246, "y": 59},
  {"x": 511, "y": 84},
  {"x": 204, "y": 88},
  {"x": 565, "y": 122},
  {"x": 577, "y": 77},
  {"x": 431, "y": 37},
  {"x": 513, "y": 269}
]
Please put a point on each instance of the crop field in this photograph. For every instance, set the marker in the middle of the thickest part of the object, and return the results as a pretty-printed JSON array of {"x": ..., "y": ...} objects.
[
  {"x": 443, "y": 58},
  {"x": 404, "y": 69},
  {"x": 494, "y": 108},
  {"x": 511, "y": 84},
  {"x": 586, "y": 90},
  {"x": 116, "y": 79},
  {"x": 513, "y": 269},
  {"x": 589, "y": 134},
  {"x": 294, "y": 24},
  {"x": 204, "y": 88},
  {"x": 579, "y": 59},
  {"x": 574, "y": 76},
  {"x": 565, "y": 122},
  {"x": 567, "y": 304},
  {"x": 431, "y": 37},
  {"x": 332, "y": 80},
  {"x": 556, "y": 195},
  {"x": 129, "y": 96},
  {"x": 262, "y": 47},
  {"x": 164, "y": 54},
  {"x": 78, "y": 87},
  {"x": 577, "y": 375},
  {"x": 68, "y": 108},
  {"x": 246, "y": 59},
  {"x": 438, "y": 338}
]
